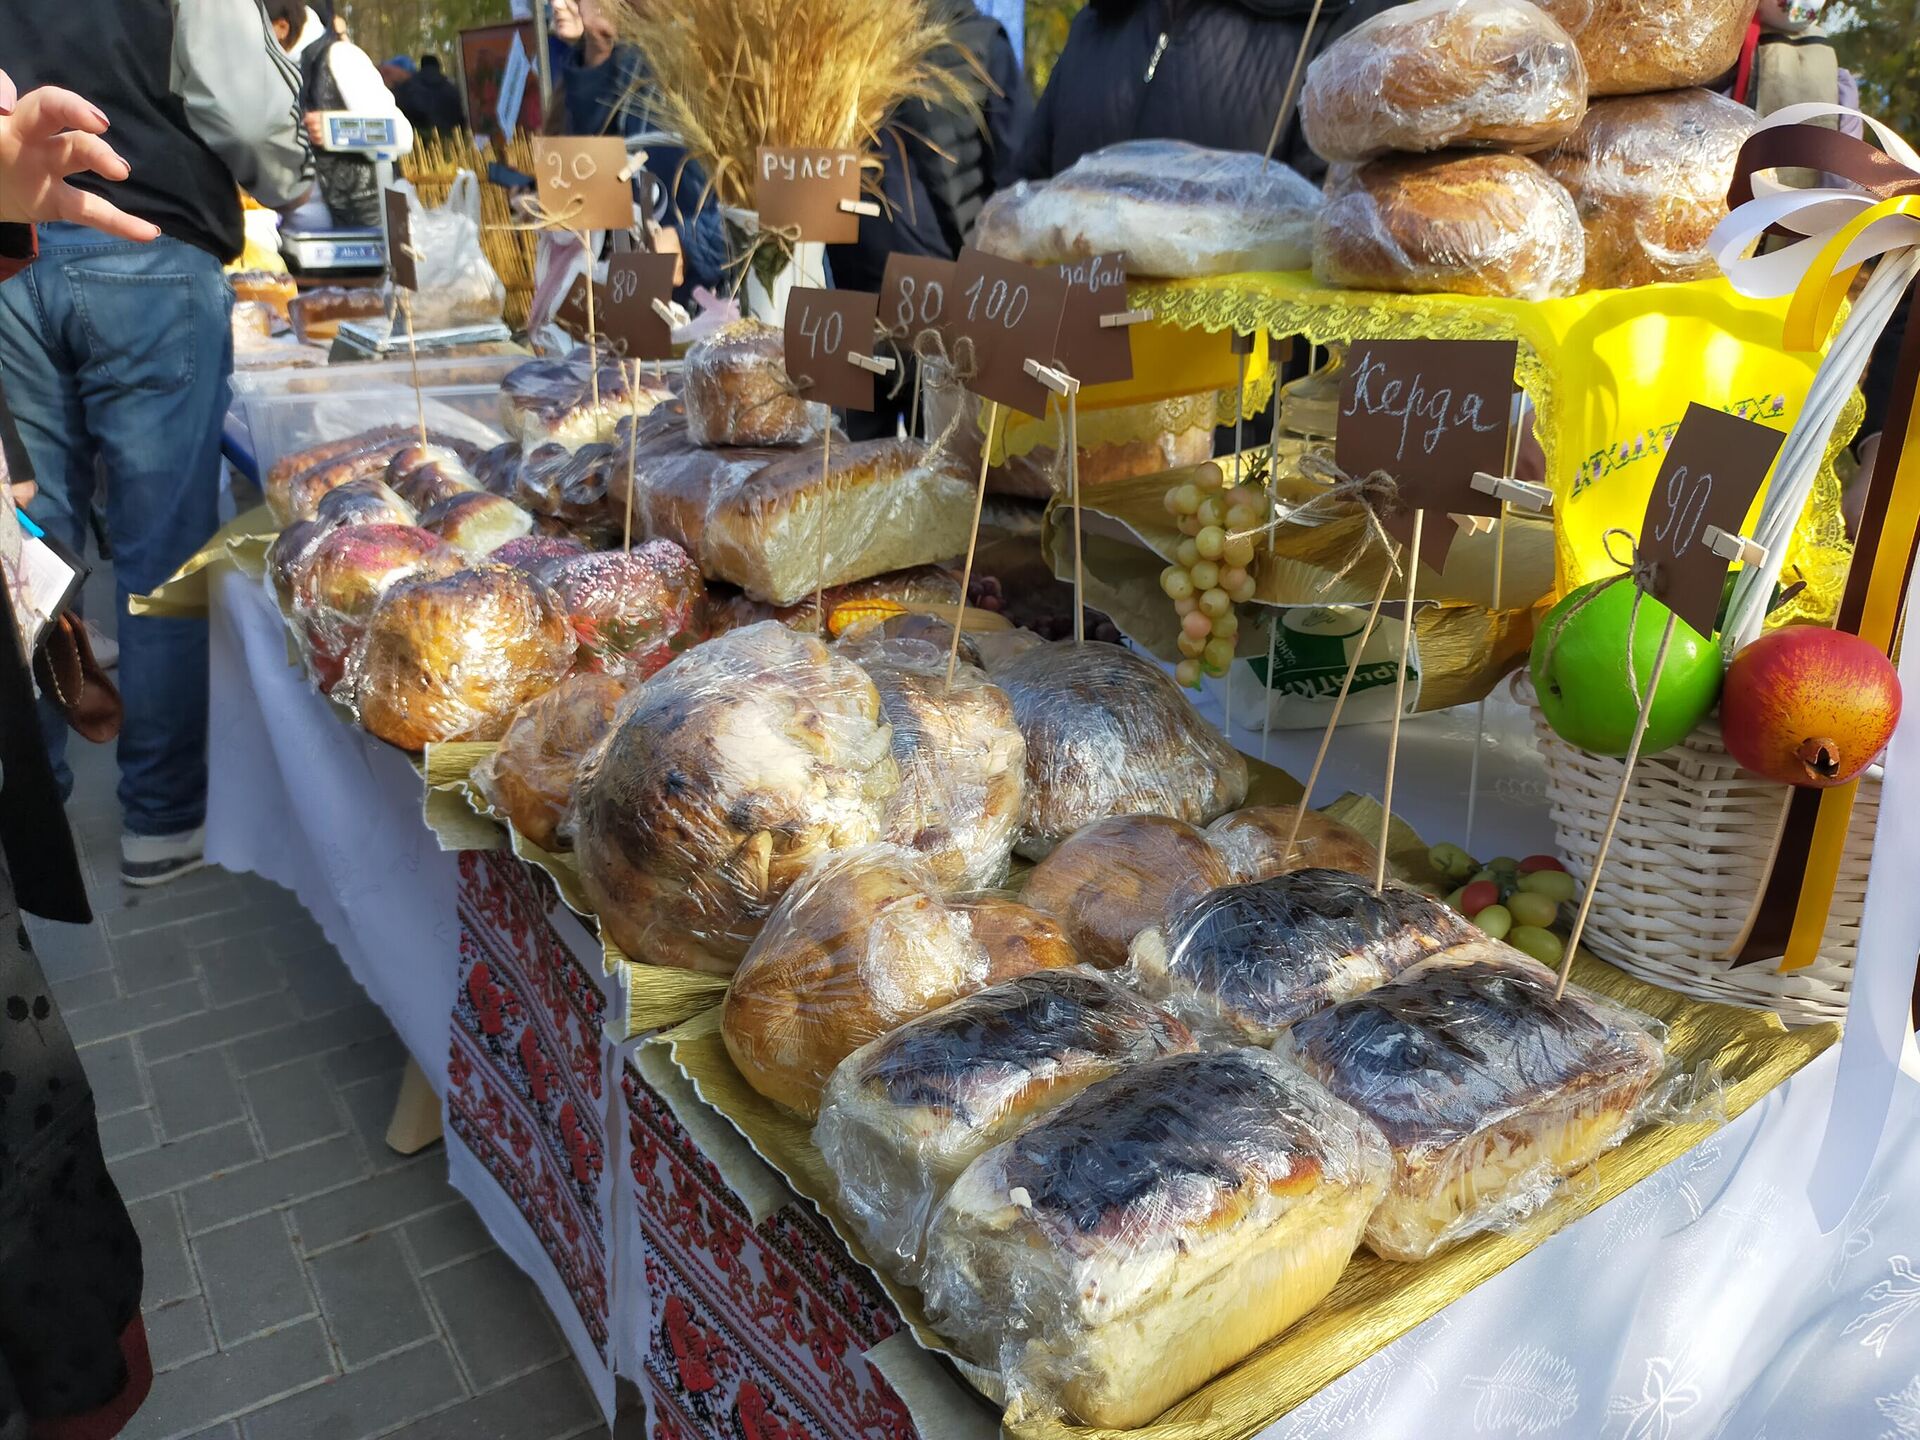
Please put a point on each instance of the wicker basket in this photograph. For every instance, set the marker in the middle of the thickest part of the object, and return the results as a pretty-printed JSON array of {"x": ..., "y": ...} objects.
[{"x": 1687, "y": 866}]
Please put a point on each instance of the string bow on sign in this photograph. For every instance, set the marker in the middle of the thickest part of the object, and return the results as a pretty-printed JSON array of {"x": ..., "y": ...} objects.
[
  {"x": 1376, "y": 495},
  {"x": 1645, "y": 577}
]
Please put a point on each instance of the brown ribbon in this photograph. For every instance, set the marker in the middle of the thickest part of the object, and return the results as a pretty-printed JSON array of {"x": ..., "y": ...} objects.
[{"x": 1810, "y": 147}]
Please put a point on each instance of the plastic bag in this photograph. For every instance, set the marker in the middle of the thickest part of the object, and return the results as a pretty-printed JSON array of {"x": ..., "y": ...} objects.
[
  {"x": 903, "y": 1115},
  {"x": 528, "y": 779},
  {"x": 1112, "y": 879},
  {"x": 1465, "y": 224},
  {"x": 424, "y": 475},
  {"x": 348, "y": 575},
  {"x": 1478, "y": 74},
  {"x": 1172, "y": 208},
  {"x": 862, "y": 942},
  {"x": 476, "y": 523},
  {"x": 1649, "y": 176},
  {"x": 458, "y": 285},
  {"x": 738, "y": 393},
  {"x": 297, "y": 480},
  {"x": 579, "y": 399},
  {"x": 1489, "y": 1090},
  {"x": 732, "y": 771},
  {"x": 454, "y": 658},
  {"x": 1127, "y": 1247},
  {"x": 963, "y": 762},
  {"x": 1249, "y": 960},
  {"x": 1254, "y": 841},
  {"x": 532, "y": 553},
  {"x": 1109, "y": 734},
  {"x": 1631, "y": 46},
  {"x": 363, "y": 502},
  {"x": 631, "y": 613}
]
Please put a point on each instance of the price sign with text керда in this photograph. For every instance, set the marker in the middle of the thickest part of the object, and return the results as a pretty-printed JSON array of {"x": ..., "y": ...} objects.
[{"x": 1001, "y": 315}]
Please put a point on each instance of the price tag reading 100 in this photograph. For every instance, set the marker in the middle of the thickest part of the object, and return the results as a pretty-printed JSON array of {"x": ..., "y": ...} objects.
[{"x": 1010, "y": 313}]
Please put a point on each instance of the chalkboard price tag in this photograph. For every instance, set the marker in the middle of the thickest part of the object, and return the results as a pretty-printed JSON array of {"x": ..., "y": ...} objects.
[
  {"x": 826, "y": 330},
  {"x": 803, "y": 189},
  {"x": 914, "y": 294},
  {"x": 1712, "y": 471},
  {"x": 637, "y": 281},
  {"x": 583, "y": 182},
  {"x": 1430, "y": 413},
  {"x": 1093, "y": 353},
  {"x": 1009, "y": 313},
  {"x": 402, "y": 263}
]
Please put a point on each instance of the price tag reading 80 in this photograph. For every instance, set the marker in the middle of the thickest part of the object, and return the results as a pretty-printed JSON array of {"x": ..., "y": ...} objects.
[
  {"x": 580, "y": 182},
  {"x": 1010, "y": 313},
  {"x": 913, "y": 296},
  {"x": 823, "y": 328},
  {"x": 636, "y": 280}
]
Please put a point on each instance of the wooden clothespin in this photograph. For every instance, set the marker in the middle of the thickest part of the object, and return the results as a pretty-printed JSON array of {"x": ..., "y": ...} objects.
[
  {"x": 1058, "y": 381},
  {"x": 859, "y": 207},
  {"x": 1521, "y": 494},
  {"x": 664, "y": 311},
  {"x": 873, "y": 364},
  {"x": 1727, "y": 546},
  {"x": 1121, "y": 319}
]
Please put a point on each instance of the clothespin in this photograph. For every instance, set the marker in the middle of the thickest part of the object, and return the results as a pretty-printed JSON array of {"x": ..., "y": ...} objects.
[
  {"x": 1058, "y": 381},
  {"x": 664, "y": 311},
  {"x": 1120, "y": 319},
  {"x": 1733, "y": 547},
  {"x": 873, "y": 364},
  {"x": 859, "y": 207},
  {"x": 1521, "y": 494}
]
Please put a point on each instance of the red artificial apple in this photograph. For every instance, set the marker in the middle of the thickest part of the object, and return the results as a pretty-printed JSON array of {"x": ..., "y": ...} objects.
[{"x": 1809, "y": 706}]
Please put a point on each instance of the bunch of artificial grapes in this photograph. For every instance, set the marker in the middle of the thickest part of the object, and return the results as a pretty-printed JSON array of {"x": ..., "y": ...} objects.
[{"x": 1210, "y": 572}]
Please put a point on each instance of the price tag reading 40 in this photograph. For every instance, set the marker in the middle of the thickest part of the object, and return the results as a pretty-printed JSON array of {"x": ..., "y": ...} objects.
[
  {"x": 913, "y": 295},
  {"x": 581, "y": 184},
  {"x": 1009, "y": 313},
  {"x": 1713, "y": 469},
  {"x": 825, "y": 330}
]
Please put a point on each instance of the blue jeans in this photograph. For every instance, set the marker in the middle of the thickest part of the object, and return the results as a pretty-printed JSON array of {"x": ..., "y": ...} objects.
[{"x": 116, "y": 358}]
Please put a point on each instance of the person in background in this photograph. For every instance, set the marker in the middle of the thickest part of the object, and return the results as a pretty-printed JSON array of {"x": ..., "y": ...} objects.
[
  {"x": 336, "y": 74},
  {"x": 396, "y": 72},
  {"x": 119, "y": 353},
  {"x": 430, "y": 101},
  {"x": 1211, "y": 72}
]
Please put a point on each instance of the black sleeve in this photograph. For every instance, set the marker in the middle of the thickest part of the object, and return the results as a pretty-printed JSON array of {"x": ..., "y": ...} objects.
[
  {"x": 1035, "y": 157},
  {"x": 1009, "y": 111},
  {"x": 1877, "y": 386}
]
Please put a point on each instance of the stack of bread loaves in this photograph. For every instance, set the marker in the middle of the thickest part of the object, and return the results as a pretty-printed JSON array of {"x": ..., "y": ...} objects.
[{"x": 1468, "y": 159}]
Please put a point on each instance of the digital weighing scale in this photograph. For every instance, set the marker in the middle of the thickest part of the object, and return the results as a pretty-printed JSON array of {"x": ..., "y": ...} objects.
[{"x": 346, "y": 252}]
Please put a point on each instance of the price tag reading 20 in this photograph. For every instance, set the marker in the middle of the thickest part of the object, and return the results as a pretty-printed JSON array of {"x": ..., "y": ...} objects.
[
  {"x": 1713, "y": 469},
  {"x": 1008, "y": 314},
  {"x": 824, "y": 328},
  {"x": 582, "y": 182}
]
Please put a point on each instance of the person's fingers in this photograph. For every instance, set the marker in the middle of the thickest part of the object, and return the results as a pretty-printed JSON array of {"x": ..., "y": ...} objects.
[
  {"x": 44, "y": 113},
  {"x": 23, "y": 492},
  {"x": 9, "y": 94},
  {"x": 91, "y": 153},
  {"x": 77, "y": 207}
]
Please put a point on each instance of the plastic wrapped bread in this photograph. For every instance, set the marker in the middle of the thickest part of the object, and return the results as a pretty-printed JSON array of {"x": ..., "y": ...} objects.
[
  {"x": 1156, "y": 1229},
  {"x": 1457, "y": 223},
  {"x": 861, "y": 943},
  {"x": 1488, "y": 1089},
  {"x": 281, "y": 474},
  {"x": 363, "y": 502},
  {"x": 737, "y": 391},
  {"x": 963, "y": 762},
  {"x": 732, "y": 771},
  {"x": 1649, "y": 176},
  {"x": 906, "y": 1113},
  {"x": 349, "y": 574},
  {"x": 918, "y": 587},
  {"x": 631, "y": 613},
  {"x": 1255, "y": 842},
  {"x": 453, "y": 658},
  {"x": 296, "y": 483},
  {"x": 534, "y": 553},
  {"x": 1109, "y": 734},
  {"x": 1250, "y": 960},
  {"x": 424, "y": 474},
  {"x": 1476, "y": 74},
  {"x": 1110, "y": 880},
  {"x": 1172, "y": 208},
  {"x": 529, "y": 776},
  {"x": 1633, "y": 46},
  {"x": 572, "y": 487},
  {"x": 563, "y": 402},
  {"x": 476, "y": 523}
]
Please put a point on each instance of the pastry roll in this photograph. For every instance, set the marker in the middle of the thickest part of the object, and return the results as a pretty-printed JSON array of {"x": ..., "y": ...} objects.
[
  {"x": 1488, "y": 1089},
  {"x": 364, "y": 502},
  {"x": 905, "y": 1114},
  {"x": 1112, "y": 879},
  {"x": 1254, "y": 959},
  {"x": 1255, "y": 842},
  {"x": 1156, "y": 1229},
  {"x": 346, "y": 577},
  {"x": 631, "y": 612},
  {"x": 476, "y": 523}
]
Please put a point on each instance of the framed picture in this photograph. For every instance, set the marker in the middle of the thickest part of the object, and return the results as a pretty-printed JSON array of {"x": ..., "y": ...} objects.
[{"x": 496, "y": 60}]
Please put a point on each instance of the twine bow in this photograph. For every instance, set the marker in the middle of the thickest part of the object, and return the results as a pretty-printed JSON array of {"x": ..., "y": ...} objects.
[
  {"x": 1376, "y": 494},
  {"x": 1645, "y": 575}
]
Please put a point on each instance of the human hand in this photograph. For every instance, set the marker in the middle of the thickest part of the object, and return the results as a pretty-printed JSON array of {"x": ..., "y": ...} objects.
[
  {"x": 45, "y": 136},
  {"x": 316, "y": 129}
]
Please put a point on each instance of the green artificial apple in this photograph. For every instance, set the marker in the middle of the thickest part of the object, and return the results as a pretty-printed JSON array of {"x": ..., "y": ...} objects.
[{"x": 1579, "y": 671}]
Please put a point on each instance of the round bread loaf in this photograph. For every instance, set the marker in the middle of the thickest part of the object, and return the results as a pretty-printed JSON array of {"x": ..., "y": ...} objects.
[
  {"x": 348, "y": 574},
  {"x": 1633, "y": 46},
  {"x": 1112, "y": 879},
  {"x": 1649, "y": 176},
  {"x": 1484, "y": 74},
  {"x": 1465, "y": 224},
  {"x": 737, "y": 391},
  {"x": 529, "y": 776},
  {"x": 1254, "y": 840}
]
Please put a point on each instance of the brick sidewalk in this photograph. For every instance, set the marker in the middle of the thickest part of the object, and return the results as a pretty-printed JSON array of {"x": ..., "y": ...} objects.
[{"x": 303, "y": 1282}]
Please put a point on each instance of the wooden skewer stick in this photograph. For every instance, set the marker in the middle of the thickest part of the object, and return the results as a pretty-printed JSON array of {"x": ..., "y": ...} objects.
[
  {"x": 1073, "y": 487},
  {"x": 820, "y": 576},
  {"x": 1480, "y": 711},
  {"x": 593, "y": 349},
  {"x": 413, "y": 361},
  {"x": 1399, "y": 702},
  {"x": 1619, "y": 804},
  {"x": 1293, "y": 85},
  {"x": 973, "y": 540},
  {"x": 633, "y": 447}
]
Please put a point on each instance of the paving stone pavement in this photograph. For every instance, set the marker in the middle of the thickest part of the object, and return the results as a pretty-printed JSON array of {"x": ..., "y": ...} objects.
[{"x": 303, "y": 1282}]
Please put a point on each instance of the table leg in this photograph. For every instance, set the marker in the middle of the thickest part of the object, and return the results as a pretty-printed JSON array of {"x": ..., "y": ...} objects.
[{"x": 416, "y": 1113}]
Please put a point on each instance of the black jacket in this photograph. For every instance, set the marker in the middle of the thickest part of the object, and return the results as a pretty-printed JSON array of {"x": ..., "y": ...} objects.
[
  {"x": 431, "y": 102},
  {"x": 1212, "y": 72}
]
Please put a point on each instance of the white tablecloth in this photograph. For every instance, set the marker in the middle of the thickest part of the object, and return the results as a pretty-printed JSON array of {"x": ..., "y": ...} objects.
[{"x": 1704, "y": 1303}]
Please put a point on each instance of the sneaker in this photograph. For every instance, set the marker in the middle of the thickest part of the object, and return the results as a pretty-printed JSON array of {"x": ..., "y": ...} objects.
[
  {"x": 155, "y": 859},
  {"x": 106, "y": 649}
]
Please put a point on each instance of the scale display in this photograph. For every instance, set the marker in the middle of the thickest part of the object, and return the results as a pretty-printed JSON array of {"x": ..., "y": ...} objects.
[{"x": 351, "y": 133}]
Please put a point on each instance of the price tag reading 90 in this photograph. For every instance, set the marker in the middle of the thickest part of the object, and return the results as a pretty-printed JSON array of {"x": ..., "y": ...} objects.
[
  {"x": 1008, "y": 313},
  {"x": 824, "y": 328}
]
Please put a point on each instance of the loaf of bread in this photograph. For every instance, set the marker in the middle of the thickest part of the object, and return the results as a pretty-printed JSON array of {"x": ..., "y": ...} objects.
[
  {"x": 533, "y": 553},
  {"x": 1172, "y": 208},
  {"x": 1109, "y": 734},
  {"x": 1649, "y": 176},
  {"x": 275, "y": 290},
  {"x": 1476, "y": 74},
  {"x": 476, "y": 523},
  {"x": 1488, "y": 1089},
  {"x": 963, "y": 763},
  {"x": 920, "y": 587},
  {"x": 737, "y": 390},
  {"x": 1633, "y": 46},
  {"x": 631, "y": 612},
  {"x": 364, "y": 502},
  {"x": 1163, "y": 1224},
  {"x": 904, "y": 1114},
  {"x": 528, "y": 778},
  {"x": 1249, "y": 960},
  {"x": 1467, "y": 224},
  {"x": 1110, "y": 880},
  {"x": 455, "y": 658},
  {"x": 296, "y": 482},
  {"x": 861, "y": 943},
  {"x": 423, "y": 475},
  {"x": 318, "y": 314},
  {"x": 568, "y": 402},
  {"x": 282, "y": 473},
  {"x": 735, "y": 768},
  {"x": 1254, "y": 841},
  {"x": 350, "y": 572}
]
